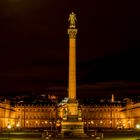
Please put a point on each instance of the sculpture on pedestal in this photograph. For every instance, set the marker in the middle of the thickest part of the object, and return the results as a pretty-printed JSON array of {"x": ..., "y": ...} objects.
[{"x": 65, "y": 110}]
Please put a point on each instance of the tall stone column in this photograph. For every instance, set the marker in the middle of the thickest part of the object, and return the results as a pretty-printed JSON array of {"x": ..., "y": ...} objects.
[
  {"x": 72, "y": 121},
  {"x": 72, "y": 64}
]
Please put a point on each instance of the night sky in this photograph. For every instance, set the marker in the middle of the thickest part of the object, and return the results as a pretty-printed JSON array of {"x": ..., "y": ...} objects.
[{"x": 34, "y": 45}]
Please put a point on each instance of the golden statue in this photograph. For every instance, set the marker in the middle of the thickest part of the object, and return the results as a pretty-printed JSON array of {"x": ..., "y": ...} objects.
[{"x": 72, "y": 19}]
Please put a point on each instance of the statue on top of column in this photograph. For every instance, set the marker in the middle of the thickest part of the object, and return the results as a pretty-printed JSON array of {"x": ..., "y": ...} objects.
[{"x": 72, "y": 19}]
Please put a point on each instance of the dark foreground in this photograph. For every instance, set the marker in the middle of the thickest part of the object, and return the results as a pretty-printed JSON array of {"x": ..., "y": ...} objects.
[{"x": 112, "y": 135}]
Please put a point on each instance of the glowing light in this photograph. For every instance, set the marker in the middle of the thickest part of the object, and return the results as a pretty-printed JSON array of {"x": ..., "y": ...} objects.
[
  {"x": 9, "y": 126},
  {"x": 138, "y": 126},
  {"x": 17, "y": 125},
  {"x": 57, "y": 124},
  {"x": 101, "y": 121}
]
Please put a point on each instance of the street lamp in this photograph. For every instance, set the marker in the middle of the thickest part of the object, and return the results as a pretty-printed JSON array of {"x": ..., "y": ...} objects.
[
  {"x": 17, "y": 125},
  {"x": 138, "y": 127},
  {"x": 111, "y": 123},
  {"x": 89, "y": 125},
  {"x": 86, "y": 125},
  {"x": 9, "y": 127},
  {"x": 101, "y": 124},
  {"x": 129, "y": 124},
  {"x": 51, "y": 125},
  {"x": 117, "y": 124},
  {"x": 92, "y": 123}
]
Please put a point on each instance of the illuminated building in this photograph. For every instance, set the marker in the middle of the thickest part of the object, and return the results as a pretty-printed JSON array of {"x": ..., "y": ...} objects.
[
  {"x": 104, "y": 116},
  {"x": 35, "y": 115},
  {"x": 7, "y": 115},
  {"x": 45, "y": 116}
]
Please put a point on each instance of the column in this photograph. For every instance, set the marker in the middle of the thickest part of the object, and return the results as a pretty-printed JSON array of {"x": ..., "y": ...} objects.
[{"x": 72, "y": 64}]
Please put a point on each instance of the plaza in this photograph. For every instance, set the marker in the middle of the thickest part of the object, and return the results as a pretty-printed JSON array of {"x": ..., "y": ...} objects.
[{"x": 37, "y": 136}]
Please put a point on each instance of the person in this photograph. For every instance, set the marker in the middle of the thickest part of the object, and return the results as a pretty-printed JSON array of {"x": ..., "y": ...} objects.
[{"x": 72, "y": 19}]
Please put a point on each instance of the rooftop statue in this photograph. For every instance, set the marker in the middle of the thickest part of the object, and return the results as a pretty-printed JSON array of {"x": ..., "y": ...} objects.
[{"x": 72, "y": 19}]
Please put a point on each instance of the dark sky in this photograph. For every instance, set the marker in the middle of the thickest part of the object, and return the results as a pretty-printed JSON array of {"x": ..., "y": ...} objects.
[{"x": 34, "y": 44}]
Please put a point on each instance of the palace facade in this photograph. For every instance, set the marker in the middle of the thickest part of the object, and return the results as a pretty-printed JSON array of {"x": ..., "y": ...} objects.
[
  {"x": 7, "y": 115},
  {"x": 44, "y": 116}
]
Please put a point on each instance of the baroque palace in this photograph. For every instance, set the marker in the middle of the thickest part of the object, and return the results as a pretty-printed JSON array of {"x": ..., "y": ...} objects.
[{"x": 110, "y": 115}]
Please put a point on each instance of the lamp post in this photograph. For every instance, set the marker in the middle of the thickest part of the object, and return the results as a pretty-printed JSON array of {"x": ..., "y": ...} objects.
[
  {"x": 111, "y": 117},
  {"x": 87, "y": 125},
  {"x": 9, "y": 127},
  {"x": 92, "y": 123},
  {"x": 18, "y": 125},
  {"x": 138, "y": 128},
  {"x": 51, "y": 119},
  {"x": 24, "y": 115},
  {"x": 117, "y": 124},
  {"x": 111, "y": 124},
  {"x": 101, "y": 123},
  {"x": 129, "y": 123}
]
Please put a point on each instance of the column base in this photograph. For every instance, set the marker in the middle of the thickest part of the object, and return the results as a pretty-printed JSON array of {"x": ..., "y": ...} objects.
[{"x": 72, "y": 129}]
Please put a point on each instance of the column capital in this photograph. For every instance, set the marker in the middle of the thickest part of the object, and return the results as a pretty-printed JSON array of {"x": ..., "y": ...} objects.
[{"x": 72, "y": 33}]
